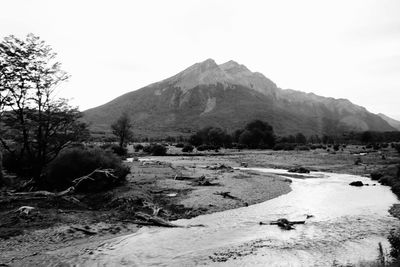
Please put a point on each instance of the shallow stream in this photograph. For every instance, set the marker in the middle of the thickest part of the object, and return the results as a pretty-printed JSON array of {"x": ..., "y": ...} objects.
[{"x": 346, "y": 227}]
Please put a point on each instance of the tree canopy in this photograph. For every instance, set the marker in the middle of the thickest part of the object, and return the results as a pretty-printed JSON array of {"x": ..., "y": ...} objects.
[
  {"x": 35, "y": 124},
  {"x": 122, "y": 128}
]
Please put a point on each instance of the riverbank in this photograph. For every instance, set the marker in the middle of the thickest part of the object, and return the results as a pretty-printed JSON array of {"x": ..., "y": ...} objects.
[{"x": 177, "y": 187}]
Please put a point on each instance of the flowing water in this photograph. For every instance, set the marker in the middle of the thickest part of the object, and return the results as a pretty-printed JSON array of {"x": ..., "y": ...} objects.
[{"x": 347, "y": 226}]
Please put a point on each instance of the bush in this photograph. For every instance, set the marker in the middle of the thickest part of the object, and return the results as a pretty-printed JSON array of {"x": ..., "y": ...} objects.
[
  {"x": 15, "y": 164},
  {"x": 180, "y": 145},
  {"x": 376, "y": 175},
  {"x": 394, "y": 240},
  {"x": 239, "y": 146},
  {"x": 74, "y": 163},
  {"x": 138, "y": 147},
  {"x": 284, "y": 146},
  {"x": 336, "y": 147},
  {"x": 187, "y": 148},
  {"x": 120, "y": 151},
  {"x": 155, "y": 149},
  {"x": 303, "y": 148},
  {"x": 206, "y": 147},
  {"x": 397, "y": 147}
]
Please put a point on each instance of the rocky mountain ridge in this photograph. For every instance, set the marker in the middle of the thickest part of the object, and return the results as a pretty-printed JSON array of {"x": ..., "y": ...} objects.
[{"x": 228, "y": 96}]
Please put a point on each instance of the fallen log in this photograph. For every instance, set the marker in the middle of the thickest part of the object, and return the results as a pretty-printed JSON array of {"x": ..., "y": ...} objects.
[
  {"x": 283, "y": 223},
  {"x": 290, "y": 222},
  {"x": 154, "y": 220}
]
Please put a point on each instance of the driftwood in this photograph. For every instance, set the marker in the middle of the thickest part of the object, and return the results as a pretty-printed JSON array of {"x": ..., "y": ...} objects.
[
  {"x": 156, "y": 209},
  {"x": 226, "y": 195},
  {"x": 147, "y": 219},
  {"x": 290, "y": 222},
  {"x": 41, "y": 195},
  {"x": 83, "y": 230},
  {"x": 283, "y": 223}
]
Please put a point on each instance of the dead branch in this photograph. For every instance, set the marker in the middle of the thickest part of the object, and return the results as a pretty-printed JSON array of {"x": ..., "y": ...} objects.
[{"x": 226, "y": 195}]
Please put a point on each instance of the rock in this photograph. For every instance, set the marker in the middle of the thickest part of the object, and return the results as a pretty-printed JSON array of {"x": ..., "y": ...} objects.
[
  {"x": 356, "y": 183},
  {"x": 299, "y": 170}
]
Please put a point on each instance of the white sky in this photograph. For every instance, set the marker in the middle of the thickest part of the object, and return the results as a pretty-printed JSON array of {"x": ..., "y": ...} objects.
[{"x": 343, "y": 49}]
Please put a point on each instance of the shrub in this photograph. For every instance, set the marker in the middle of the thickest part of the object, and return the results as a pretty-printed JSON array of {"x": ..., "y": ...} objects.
[
  {"x": 180, "y": 145},
  {"x": 397, "y": 147},
  {"x": 155, "y": 149},
  {"x": 74, "y": 163},
  {"x": 394, "y": 240},
  {"x": 303, "y": 148},
  {"x": 206, "y": 147},
  {"x": 138, "y": 147},
  {"x": 336, "y": 147},
  {"x": 187, "y": 148},
  {"x": 15, "y": 164},
  {"x": 376, "y": 175},
  {"x": 120, "y": 151},
  {"x": 376, "y": 146},
  {"x": 284, "y": 146}
]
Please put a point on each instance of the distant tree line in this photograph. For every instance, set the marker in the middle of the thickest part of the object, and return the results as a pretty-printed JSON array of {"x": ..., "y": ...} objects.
[{"x": 260, "y": 135}]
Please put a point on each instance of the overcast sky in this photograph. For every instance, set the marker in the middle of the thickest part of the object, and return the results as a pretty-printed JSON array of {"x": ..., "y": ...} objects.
[{"x": 343, "y": 49}]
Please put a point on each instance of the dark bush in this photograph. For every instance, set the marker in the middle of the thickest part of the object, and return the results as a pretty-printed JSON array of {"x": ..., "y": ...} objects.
[
  {"x": 187, "y": 148},
  {"x": 155, "y": 150},
  {"x": 394, "y": 240},
  {"x": 376, "y": 146},
  {"x": 180, "y": 145},
  {"x": 206, "y": 147},
  {"x": 74, "y": 163},
  {"x": 302, "y": 148},
  {"x": 376, "y": 175},
  {"x": 138, "y": 147},
  {"x": 397, "y": 147},
  {"x": 120, "y": 151},
  {"x": 239, "y": 146},
  {"x": 336, "y": 147},
  {"x": 15, "y": 164},
  {"x": 284, "y": 146}
]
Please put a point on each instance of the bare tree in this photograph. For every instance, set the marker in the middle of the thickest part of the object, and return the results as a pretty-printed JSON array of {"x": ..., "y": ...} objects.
[
  {"x": 122, "y": 128},
  {"x": 35, "y": 125}
]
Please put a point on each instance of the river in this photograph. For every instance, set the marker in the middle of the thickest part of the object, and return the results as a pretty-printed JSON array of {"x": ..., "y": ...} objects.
[{"x": 346, "y": 227}]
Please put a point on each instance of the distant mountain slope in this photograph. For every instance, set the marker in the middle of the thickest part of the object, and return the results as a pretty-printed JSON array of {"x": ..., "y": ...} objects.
[
  {"x": 392, "y": 122},
  {"x": 230, "y": 95}
]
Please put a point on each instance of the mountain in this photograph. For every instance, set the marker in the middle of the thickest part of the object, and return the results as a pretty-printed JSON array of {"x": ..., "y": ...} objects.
[
  {"x": 392, "y": 122},
  {"x": 229, "y": 95}
]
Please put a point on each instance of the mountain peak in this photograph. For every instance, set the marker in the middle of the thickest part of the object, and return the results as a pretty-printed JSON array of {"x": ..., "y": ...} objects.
[
  {"x": 229, "y": 73},
  {"x": 233, "y": 67}
]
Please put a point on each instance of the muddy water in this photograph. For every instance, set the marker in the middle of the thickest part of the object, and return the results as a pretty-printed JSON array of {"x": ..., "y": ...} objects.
[{"x": 347, "y": 226}]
